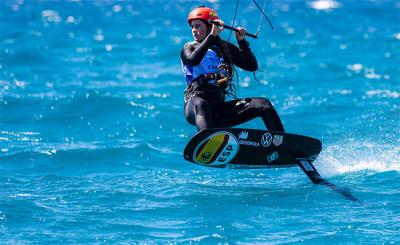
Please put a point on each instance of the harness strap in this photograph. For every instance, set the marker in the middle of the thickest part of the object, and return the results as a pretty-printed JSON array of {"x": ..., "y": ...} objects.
[{"x": 198, "y": 85}]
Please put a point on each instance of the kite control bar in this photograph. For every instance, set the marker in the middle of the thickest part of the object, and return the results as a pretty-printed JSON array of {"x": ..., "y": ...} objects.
[{"x": 231, "y": 28}]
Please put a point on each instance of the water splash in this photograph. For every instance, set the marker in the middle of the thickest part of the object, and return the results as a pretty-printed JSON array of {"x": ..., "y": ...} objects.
[{"x": 356, "y": 156}]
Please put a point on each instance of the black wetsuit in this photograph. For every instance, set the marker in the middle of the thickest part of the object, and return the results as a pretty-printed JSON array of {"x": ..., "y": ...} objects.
[{"x": 205, "y": 105}]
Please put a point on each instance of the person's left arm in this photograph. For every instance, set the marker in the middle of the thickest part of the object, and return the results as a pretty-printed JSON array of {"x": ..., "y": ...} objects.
[{"x": 242, "y": 56}]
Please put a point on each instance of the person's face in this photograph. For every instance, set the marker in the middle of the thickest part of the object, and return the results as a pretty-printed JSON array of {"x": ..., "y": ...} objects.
[{"x": 199, "y": 30}]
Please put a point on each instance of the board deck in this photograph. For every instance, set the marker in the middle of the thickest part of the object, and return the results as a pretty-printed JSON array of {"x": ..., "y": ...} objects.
[{"x": 250, "y": 148}]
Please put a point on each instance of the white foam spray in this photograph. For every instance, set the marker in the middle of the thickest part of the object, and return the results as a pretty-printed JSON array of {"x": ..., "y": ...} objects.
[{"x": 356, "y": 156}]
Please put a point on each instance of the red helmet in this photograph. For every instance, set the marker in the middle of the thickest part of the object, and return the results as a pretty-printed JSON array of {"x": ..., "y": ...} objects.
[{"x": 202, "y": 13}]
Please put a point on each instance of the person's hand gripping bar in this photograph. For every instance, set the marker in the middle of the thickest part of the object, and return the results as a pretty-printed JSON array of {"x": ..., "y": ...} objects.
[{"x": 231, "y": 28}]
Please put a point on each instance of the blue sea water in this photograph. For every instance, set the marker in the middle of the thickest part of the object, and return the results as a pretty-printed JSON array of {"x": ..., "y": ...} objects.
[{"x": 92, "y": 128}]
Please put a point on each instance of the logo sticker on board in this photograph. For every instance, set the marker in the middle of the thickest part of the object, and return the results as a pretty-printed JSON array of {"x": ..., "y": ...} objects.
[
  {"x": 243, "y": 135},
  {"x": 272, "y": 157},
  {"x": 278, "y": 140},
  {"x": 218, "y": 149},
  {"x": 266, "y": 139}
]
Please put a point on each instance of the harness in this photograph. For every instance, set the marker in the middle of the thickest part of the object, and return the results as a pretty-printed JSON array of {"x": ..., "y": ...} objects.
[
  {"x": 201, "y": 85},
  {"x": 210, "y": 78}
]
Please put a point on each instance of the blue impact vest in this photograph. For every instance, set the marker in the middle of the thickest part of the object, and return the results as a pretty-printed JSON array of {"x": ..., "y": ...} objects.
[{"x": 208, "y": 64}]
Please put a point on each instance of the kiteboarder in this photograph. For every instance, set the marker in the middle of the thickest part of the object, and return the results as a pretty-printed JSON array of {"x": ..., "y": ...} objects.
[{"x": 208, "y": 65}]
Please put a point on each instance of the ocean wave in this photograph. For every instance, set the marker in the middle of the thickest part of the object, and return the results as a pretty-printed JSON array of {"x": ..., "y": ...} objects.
[
  {"x": 85, "y": 157},
  {"x": 81, "y": 107}
]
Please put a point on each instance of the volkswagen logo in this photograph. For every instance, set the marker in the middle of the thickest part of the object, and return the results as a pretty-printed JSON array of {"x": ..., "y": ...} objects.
[{"x": 266, "y": 139}]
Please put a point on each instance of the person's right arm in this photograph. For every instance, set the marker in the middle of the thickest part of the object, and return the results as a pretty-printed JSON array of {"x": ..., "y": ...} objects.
[{"x": 193, "y": 54}]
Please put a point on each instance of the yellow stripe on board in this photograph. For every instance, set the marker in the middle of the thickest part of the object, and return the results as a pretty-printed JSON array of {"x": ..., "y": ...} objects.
[{"x": 210, "y": 149}]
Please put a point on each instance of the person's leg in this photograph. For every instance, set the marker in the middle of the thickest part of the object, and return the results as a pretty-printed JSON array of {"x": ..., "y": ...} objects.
[
  {"x": 198, "y": 113},
  {"x": 235, "y": 112}
]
